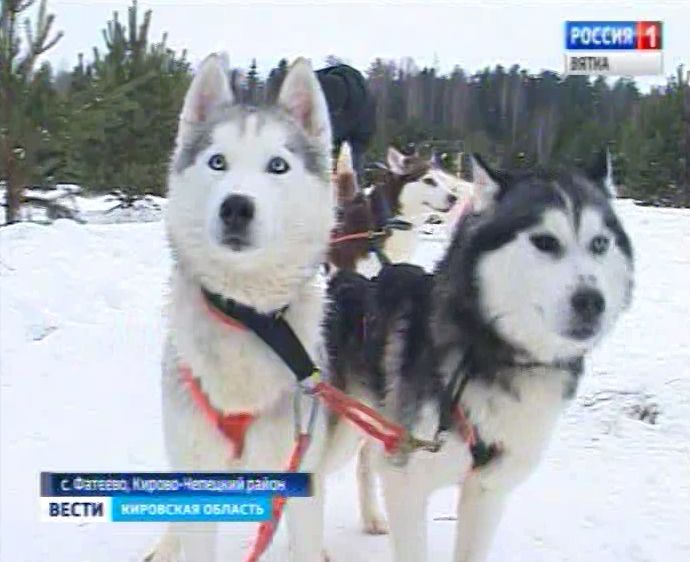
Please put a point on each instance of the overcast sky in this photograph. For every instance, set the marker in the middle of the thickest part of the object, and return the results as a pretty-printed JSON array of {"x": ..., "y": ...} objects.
[{"x": 471, "y": 34}]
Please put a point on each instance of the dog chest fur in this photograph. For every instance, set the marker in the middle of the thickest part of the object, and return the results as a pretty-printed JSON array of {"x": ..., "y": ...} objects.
[{"x": 520, "y": 419}]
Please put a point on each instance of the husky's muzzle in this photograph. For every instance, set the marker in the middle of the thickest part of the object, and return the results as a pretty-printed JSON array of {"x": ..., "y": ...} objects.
[
  {"x": 236, "y": 214},
  {"x": 587, "y": 307}
]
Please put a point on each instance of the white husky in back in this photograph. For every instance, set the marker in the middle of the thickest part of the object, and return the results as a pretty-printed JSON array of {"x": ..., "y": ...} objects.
[
  {"x": 413, "y": 190},
  {"x": 435, "y": 192},
  {"x": 249, "y": 218}
]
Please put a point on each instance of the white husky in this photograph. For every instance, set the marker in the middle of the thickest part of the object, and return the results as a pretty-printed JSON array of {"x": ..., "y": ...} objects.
[
  {"x": 249, "y": 218},
  {"x": 414, "y": 190}
]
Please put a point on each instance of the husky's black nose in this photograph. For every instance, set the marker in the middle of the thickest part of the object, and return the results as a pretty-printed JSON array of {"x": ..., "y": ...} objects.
[
  {"x": 451, "y": 199},
  {"x": 236, "y": 212},
  {"x": 588, "y": 304}
]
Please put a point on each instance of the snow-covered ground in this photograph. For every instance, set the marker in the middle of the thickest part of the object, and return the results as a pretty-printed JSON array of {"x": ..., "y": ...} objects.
[
  {"x": 80, "y": 321},
  {"x": 104, "y": 209},
  {"x": 97, "y": 209}
]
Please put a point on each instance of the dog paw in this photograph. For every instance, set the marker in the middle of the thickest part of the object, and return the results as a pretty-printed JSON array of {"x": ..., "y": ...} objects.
[
  {"x": 167, "y": 550},
  {"x": 376, "y": 526},
  {"x": 159, "y": 556}
]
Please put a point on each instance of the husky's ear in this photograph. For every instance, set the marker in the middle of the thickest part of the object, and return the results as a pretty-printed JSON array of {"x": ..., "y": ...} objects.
[
  {"x": 487, "y": 184},
  {"x": 301, "y": 95},
  {"x": 345, "y": 177},
  {"x": 600, "y": 172},
  {"x": 396, "y": 161},
  {"x": 209, "y": 89}
]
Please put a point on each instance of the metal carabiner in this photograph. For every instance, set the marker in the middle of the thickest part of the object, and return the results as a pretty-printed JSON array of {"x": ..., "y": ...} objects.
[{"x": 297, "y": 409}]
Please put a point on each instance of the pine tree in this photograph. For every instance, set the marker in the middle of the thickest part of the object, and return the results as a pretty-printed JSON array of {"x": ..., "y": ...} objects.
[
  {"x": 253, "y": 84},
  {"x": 275, "y": 79},
  {"x": 20, "y": 135},
  {"x": 519, "y": 119},
  {"x": 333, "y": 60},
  {"x": 127, "y": 101},
  {"x": 684, "y": 164}
]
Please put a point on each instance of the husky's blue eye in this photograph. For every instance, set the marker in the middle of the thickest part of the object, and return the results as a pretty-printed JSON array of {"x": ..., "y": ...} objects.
[
  {"x": 599, "y": 245},
  {"x": 277, "y": 165},
  {"x": 546, "y": 243},
  {"x": 218, "y": 162}
]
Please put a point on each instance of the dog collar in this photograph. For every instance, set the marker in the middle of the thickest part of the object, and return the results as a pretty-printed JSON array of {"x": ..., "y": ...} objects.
[{"x": 574, "y": 366}]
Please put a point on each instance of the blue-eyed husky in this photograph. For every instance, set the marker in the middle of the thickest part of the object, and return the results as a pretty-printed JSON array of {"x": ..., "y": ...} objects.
[
  {"x": 249, "y": 218},
  {"x": 489, "y": 348}
]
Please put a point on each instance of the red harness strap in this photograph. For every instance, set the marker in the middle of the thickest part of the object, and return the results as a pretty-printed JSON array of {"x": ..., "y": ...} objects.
[
  {"x": 233, "y": 426},
  {"x": 465, "y": 427},
  {"x": 365, "y": 235},
  {"x": 267, "y": 529},
  {"x": 390, "y": 434}
]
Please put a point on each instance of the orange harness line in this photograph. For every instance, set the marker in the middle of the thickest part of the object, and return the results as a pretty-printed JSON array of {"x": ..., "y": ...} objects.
[
  {"x": 233, "y": 426},
  {"x": 222, "y": 318},
  {"x": 267, "y": 529},
  {"x": 465, "y": 427},
  {"x": 390, "y": 434},
  {"x": 366, "y": 235}
]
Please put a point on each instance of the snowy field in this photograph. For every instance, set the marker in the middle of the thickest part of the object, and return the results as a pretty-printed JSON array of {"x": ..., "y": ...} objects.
[
  {"x": 92, "y": 209},
  {"x": 81, "y": 326}
]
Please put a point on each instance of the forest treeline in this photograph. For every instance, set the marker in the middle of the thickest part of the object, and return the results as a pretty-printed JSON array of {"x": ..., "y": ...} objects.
[{"x": 109, "y": 122}]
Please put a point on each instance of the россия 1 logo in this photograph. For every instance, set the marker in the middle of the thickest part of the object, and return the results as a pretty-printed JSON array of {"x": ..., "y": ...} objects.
[{"x": 614, "y": 48}]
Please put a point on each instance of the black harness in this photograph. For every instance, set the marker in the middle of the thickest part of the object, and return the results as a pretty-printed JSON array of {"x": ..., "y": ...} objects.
[
  {"x": 482, "y": 452},
  {"x": 272, "y": 328}
]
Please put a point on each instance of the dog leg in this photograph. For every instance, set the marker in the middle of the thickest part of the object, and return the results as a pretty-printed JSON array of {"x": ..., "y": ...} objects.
[
  {"x": 168, "y": 548},
  {"x": 479, "y": 513},
  {"x": 305, "y": 525},
  {"x": 198, "y": 541},
  {"x": 373, "y": 521},
  {"x": 406, "y": 504}
]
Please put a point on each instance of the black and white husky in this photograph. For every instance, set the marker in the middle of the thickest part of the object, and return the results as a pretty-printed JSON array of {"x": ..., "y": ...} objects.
[
  {"x": 249, "y": 217},
  {"x": 491, "y": 345}
]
